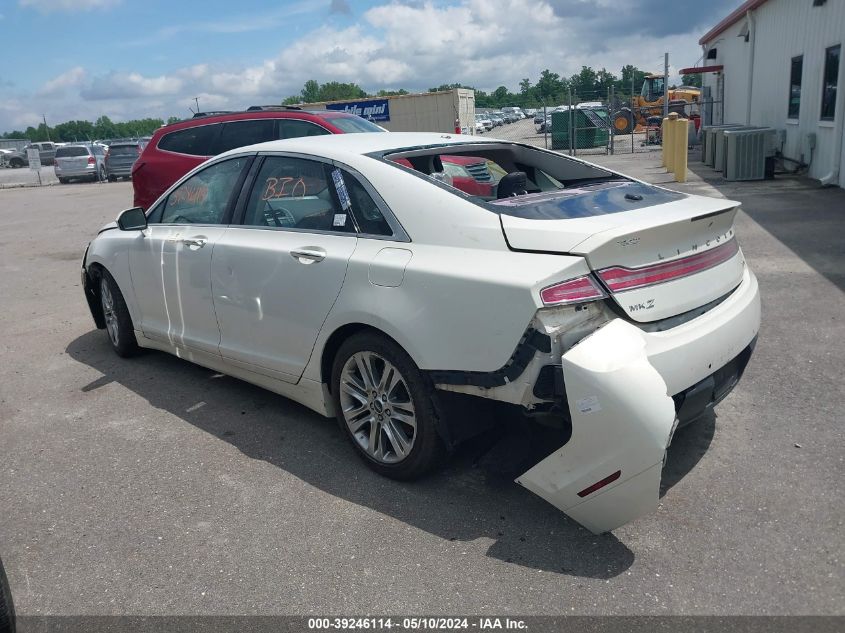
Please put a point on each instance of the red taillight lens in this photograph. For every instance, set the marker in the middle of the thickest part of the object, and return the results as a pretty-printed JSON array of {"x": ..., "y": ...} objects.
[
  {"x": 92, "y": 160},
  {"x": 600, "y": 484},
  {"x": 619, "y": 278},
  {"x": 573, "y": 291}
]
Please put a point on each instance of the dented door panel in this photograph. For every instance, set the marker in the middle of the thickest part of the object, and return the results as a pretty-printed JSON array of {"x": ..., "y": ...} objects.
[{"x": 622, "y": 421}]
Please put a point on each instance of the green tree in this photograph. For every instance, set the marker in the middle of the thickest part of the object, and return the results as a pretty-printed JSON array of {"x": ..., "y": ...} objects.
[
  {"x": 337, "y": 91},
  {"x": 310, "y": 92},
  {"x": 631, "y": 76},
  {"x": 692, "y": 80},
  {"x": 549, "y": 88},
  {"x": 104, "y": 128},
  {"x": 501, "y": 96}
]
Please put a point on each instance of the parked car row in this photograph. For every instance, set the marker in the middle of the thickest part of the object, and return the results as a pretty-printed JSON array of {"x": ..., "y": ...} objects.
[
  {"x": 112, "y": 159},
  {"x": 486, "y": 121},
  {"x": 18, "y": 158}
]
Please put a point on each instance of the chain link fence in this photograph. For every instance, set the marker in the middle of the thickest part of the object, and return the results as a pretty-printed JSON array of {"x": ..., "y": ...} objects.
[{"x": 595, "y": 124}]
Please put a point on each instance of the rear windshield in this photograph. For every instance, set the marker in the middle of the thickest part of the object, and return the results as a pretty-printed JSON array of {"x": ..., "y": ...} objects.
[
  {"x": 123, "y": 150},
  {"x": 526, "y": 182},
  {"x": 350, "y": 124},
  {"x": 66, "y": 152}
]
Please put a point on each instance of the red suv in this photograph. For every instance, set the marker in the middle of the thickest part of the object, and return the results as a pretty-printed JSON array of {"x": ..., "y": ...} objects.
[{"x": 177, "y": 148}]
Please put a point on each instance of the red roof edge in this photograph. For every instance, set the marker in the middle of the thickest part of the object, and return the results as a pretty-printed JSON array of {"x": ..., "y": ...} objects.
[
  {"x": 697, "y": 70},
  {"x": 735, "y": 16}
]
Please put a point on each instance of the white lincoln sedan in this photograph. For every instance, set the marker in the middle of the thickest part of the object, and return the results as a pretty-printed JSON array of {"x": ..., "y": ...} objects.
[{"x": 350, "y": 273}]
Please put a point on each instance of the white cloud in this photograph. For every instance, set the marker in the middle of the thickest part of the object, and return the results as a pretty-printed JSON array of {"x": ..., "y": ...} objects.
[
  {"x": 49, "y": 6},
  {"x": 412, "y": 45},
  {"x": 59, "y": 85}
]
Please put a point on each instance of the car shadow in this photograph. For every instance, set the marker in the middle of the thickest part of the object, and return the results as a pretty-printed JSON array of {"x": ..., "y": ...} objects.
[
  {"x": 464, "y": 501},
  {"x": 689, "y": 445}
]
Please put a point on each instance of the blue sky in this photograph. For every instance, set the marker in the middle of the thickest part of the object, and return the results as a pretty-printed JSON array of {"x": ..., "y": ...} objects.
[{"x": 131, "y": 58}]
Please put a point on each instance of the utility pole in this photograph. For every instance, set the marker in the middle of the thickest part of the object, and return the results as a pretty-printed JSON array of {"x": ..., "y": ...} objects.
[
  {"x": 44, "y": 118},
  {"x": 197, "y": 99},
  {"x": 665, "y": 85}
]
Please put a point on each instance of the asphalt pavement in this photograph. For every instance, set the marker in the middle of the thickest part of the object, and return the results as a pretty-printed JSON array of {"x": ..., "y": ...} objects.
[{"x": 152, "y": 486}]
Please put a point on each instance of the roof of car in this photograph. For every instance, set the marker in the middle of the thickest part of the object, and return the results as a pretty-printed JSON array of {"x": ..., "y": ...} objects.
[
  {"x": 262, "y": 112},
  {"x": 340, "y": 145}
]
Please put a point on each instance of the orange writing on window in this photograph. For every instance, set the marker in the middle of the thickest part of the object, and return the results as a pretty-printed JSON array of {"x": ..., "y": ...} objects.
[
  {"x": 189, "y": 195},
  {"x": 282, "y": 188}
]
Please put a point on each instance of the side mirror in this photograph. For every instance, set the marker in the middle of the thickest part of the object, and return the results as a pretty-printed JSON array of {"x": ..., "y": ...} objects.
[{"x": 132, "y": 219}]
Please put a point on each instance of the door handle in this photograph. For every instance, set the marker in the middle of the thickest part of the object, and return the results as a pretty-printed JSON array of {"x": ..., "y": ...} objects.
[
  {"x": 194, "y": 243},
  {"x": 308, "y": 255}
]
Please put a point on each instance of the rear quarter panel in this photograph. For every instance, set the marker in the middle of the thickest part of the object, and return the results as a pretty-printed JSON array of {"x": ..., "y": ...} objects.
[{"x": 455, "y": 309}]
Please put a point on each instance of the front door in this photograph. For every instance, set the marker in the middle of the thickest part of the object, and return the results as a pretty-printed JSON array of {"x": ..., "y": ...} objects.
[{"x": 171, "y": 264}]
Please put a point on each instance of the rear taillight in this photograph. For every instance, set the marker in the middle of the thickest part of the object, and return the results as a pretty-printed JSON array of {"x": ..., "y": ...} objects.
[
  {"x": 600, "y": 484},
  {"x": 573, "y": 291},
  {"x": 619, "y": 278},
  {"x": 92, "y": 160}
]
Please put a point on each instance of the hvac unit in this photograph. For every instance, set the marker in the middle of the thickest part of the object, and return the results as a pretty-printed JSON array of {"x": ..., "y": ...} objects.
[
  {"x": 746, "y": 152},
  {"x": 719, "y": 145},
  {"x": 708, "y": 133}
]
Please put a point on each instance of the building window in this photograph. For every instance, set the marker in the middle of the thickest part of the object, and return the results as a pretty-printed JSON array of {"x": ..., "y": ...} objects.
[
  {"x": 795, "y": 87},
  {"x": 829, "y": 82}
]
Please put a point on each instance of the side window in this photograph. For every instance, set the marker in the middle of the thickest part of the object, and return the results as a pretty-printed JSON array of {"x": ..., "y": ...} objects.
[
  {"x": 204, "y": 197},
  {"x": 829, "y": 82},
  {"x": 367, "y": 214},
  {"x": 294, "y": 128},
  {"x": 194, "y": 140},
  {"x": 239, "y": 133},
  {"x": 294, "y": 193},
  {"x": 795, "y": 69}
]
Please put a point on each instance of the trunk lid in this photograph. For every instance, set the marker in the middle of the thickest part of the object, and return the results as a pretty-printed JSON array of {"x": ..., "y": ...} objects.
[{"x": 681, "y": 247}]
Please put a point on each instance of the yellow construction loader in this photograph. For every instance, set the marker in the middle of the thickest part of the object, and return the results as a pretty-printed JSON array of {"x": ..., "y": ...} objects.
[{"x": 683, "y": 100}]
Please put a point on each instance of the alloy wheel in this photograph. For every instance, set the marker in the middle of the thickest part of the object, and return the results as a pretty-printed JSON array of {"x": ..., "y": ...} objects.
[
  {"x": 107, "y": 301},
  {"x": 377, "y": 407}
]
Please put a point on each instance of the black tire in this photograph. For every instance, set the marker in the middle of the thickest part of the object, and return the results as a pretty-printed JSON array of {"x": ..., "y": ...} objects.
[
  {"x": 17, "y": 163},
  {"x": 7, "y": 607},
  {"x": 101, "y": 174},
  {"x": 623, "y": 121},
  {"x": 120, "y": 331},
  {"x": 112, "y": 178},
  {"x": 64, "y": 181},
  {"x": 427, "y": 448}
]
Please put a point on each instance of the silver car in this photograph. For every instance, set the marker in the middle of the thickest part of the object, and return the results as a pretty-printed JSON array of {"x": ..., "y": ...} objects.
[{"x": 80, "y": 161}]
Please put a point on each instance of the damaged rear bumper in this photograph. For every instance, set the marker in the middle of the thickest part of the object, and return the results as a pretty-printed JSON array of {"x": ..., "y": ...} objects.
[{"x": 618, "y": 383}]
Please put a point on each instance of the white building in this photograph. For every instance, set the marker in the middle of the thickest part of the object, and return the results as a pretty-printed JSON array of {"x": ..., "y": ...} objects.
[{"x": 778, "y": 63}]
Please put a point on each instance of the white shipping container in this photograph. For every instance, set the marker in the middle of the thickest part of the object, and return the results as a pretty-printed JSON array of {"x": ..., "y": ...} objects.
[{"x": 424, "y": 112}]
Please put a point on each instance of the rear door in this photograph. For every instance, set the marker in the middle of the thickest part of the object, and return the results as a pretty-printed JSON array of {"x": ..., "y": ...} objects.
[{"x": 276, "y": 276}]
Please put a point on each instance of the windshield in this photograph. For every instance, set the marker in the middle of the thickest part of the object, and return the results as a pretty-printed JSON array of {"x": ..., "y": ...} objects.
[
  {"x": 123, "y": 150},
  {"x": 65, "y": 152},
  {"x": 350, "y": 124}
]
